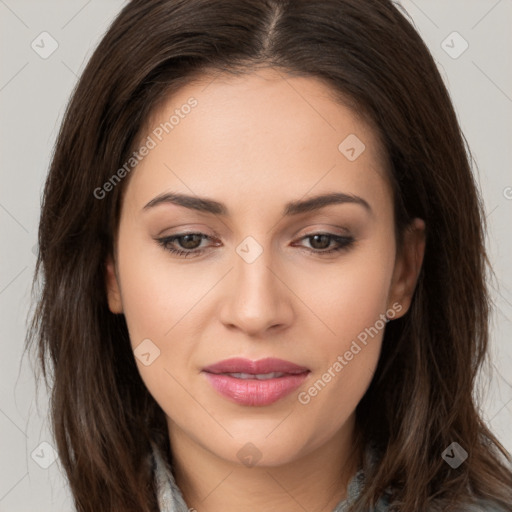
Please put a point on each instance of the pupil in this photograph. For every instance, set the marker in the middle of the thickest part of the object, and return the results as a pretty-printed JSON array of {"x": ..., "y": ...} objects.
[
  {"x": 316, "y": 239},
  {"x": 188, "y": 241}
]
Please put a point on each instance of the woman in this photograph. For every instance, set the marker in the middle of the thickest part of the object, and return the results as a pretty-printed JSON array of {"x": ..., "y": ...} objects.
[{"x": 264, "y": 268}]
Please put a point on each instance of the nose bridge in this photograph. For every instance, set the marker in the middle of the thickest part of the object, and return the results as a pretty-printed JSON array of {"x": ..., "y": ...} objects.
[{"x": 257, "y": 300}]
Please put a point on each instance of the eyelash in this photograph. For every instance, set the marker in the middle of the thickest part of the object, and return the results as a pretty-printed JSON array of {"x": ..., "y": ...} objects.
[{"x": 345, "y": 242}]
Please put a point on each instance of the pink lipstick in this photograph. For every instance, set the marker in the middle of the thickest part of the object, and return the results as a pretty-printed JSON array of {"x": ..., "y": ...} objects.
[{"x": 255, "y": 383}]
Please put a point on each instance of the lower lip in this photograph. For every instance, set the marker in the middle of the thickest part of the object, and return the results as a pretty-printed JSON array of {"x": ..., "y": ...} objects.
[{"x": 255, "y": 392}]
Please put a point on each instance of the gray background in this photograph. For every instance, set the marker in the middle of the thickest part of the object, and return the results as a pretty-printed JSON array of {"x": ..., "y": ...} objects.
[{"x": 33, "y": 95}]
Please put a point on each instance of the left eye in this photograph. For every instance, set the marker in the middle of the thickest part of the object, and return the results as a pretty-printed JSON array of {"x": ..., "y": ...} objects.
[
  {"x": 343, "y": 242},
  {"x": 190, "y": 243}
]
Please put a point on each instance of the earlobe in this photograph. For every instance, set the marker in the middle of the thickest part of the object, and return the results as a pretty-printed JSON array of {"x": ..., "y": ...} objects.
[
  {"x": 408, "y": 266},
  {"x": 112, "y": 287}
]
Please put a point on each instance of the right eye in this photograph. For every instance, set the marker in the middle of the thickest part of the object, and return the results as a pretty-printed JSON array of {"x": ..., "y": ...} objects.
[{"x": 189, "y": 243}]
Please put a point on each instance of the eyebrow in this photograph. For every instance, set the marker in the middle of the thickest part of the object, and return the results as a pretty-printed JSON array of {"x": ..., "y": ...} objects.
[{"x": 206, "y": 205}]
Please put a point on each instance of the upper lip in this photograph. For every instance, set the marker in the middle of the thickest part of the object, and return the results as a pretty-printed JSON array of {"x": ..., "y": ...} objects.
[{"x": 262, "y": 366}]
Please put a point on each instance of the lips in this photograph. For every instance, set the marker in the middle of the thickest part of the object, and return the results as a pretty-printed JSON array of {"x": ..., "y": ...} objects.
[
  {"x": 255, "y": 383},
  {"x": 262, "y": 366}
]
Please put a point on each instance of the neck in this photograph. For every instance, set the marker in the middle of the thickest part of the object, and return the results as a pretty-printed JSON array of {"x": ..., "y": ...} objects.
[{"x": 316, "y": 481}]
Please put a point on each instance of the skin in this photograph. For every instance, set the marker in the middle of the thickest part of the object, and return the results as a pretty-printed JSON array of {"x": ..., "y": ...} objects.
[{"x": 255, "y": 143}]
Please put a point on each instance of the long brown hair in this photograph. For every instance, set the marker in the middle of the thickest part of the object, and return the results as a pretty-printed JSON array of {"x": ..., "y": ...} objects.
[{"x": 421, "y": 398}]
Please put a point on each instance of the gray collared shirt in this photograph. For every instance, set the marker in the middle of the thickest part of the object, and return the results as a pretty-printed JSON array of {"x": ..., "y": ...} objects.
[{"x": 170, "y": 498}]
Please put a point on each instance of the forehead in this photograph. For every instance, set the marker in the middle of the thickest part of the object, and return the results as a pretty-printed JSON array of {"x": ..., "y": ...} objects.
[{"x": 257, "y": 134}]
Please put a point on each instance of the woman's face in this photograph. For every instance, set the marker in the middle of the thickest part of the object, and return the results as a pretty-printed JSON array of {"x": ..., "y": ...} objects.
[{"x": 251, "y": 154}]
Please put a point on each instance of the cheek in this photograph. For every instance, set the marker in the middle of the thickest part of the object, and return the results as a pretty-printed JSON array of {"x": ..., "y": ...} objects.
[
  {"x": 351, "y": 296},
  {"x": 353, "y": 307},
  {"x": 158, "y": 297},
  {"x": 162, "y": 310},
  {"x": 345, "y": 368}
]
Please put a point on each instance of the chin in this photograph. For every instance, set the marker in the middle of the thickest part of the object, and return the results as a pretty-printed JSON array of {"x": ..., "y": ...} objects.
[{"x": 268, "y": 447}]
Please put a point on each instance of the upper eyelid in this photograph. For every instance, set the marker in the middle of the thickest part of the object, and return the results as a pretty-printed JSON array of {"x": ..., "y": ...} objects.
[{"x": 206, "y": 235}]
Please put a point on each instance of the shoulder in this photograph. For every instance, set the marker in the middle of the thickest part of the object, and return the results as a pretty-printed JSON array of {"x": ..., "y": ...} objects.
[
  {"x": 384, "y": 505},
  {"x": 484, "y": 506},
  {"x": 481, "y": 505}
]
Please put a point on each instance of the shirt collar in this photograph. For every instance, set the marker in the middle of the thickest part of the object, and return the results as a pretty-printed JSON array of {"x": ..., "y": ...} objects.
[{"x": 170, "y": 498}]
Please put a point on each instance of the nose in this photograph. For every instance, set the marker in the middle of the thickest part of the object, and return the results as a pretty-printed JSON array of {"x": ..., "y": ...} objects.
[{"x": 257, "y": 298}]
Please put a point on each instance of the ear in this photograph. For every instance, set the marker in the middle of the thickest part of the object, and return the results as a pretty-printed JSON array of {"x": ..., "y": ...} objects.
[
  {"x": 408, "y": 266},
  {"x": 113, "y": 290}
]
